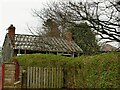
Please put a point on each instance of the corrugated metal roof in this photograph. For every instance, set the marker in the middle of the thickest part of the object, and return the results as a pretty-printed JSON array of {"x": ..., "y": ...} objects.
[{"x": 53, "y": 44}]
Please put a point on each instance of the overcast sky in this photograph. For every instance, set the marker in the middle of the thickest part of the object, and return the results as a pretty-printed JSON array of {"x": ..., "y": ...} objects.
[{"x": 18, "y": 13}]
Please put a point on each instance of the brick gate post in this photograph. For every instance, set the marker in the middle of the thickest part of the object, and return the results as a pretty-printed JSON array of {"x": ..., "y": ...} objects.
[{"x": 3, "y": 76}]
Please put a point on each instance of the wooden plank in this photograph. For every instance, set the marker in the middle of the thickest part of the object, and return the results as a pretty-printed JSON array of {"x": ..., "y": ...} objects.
[
  {"x": 28, "y": 76},
  {"x": 39, "y": 76},
  {"x": 31, "y": 75},
  {"x": 36, "y": 77},
  {"x": 47, "y": 77},
  {"x": 52, "y": 77},
  {"x": 61, "y": 78},
  {"x": 44, "y": 76},
  {"x": 33, "y": 72},
  {"x": 57, "y": 77}
]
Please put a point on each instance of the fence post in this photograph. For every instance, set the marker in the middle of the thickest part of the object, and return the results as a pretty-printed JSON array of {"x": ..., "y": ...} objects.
[
  {"x": 17, "y": 71},
  {"x": 64, "y": 77},
  {"x": 24, "y": 79}
]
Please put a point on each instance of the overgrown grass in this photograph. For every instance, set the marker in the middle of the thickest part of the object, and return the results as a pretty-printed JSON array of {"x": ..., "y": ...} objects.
[{"x": 99, "y": 71}]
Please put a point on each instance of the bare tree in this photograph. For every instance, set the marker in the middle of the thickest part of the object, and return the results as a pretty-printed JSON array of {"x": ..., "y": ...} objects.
[
  {"x": 102, "y": 16},
  {"x": 58, "y": 12}
]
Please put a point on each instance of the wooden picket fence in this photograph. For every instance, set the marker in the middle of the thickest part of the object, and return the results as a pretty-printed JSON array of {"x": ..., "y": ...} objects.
[{"x": 38, "y": 77}]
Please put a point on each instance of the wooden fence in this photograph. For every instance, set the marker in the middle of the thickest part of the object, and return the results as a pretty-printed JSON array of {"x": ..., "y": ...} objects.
[{"x": 38, "y": 77}]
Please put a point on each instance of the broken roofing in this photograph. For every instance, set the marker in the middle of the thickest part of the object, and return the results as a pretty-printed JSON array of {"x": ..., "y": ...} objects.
[{"x": 52, "y": 44}]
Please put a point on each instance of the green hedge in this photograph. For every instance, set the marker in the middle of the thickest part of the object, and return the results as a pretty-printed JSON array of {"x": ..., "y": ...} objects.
[{"x": 99, "y": 71}]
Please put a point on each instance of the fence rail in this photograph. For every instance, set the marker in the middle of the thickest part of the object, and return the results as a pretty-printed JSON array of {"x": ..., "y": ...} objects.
[{"x": 38, "y": 77}]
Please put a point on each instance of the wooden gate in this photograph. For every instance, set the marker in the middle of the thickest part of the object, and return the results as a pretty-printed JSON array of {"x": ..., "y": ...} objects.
[
  {"x": 0, "y": 77},
  {"x": 38, "y": 77}
]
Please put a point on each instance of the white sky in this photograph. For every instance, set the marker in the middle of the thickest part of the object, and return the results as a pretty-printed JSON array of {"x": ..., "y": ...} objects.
[{"x": 18, "y": 13}]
